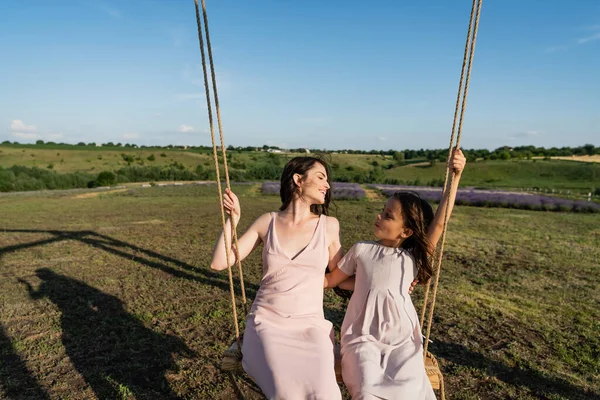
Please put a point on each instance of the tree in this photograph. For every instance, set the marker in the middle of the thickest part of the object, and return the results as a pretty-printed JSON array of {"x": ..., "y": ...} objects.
[
  {"x": 590, "y": 149},
  {"x": 39, "y": 142},
  {"x": 106, "y": 178},
  {"x": 399, "y": 157}
]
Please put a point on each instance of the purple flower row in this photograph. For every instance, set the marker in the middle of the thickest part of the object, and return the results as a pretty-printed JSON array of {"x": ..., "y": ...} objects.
[
  {"x": 490, "y": 198},
  {"x": 341, "y": 190}
]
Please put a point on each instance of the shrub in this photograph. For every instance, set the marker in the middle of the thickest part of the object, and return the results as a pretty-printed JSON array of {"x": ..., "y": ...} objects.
[
  {"x": 264, "y": 171},
  {"x": 127, "y": 158},
  {"x": 106, "y": 178}
]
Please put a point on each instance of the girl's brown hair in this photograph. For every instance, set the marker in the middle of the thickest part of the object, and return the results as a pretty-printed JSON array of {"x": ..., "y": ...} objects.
[{"x": 417, "y": 215}]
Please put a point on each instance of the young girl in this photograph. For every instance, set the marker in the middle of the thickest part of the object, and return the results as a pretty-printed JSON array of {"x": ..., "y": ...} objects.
[{"x": 381, "y": 342}]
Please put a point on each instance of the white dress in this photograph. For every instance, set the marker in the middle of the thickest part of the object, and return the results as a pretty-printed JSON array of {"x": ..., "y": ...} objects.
[{"x": 381, "y": 342}]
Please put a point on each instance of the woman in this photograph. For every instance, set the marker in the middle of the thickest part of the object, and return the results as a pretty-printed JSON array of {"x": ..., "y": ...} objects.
[{"x": 288, "y": 344}]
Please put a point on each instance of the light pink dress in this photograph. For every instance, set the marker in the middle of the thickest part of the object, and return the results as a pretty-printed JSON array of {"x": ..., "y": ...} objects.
[
  {"x": 381, "y": 342},
  {"x": 288, "y": 344}
]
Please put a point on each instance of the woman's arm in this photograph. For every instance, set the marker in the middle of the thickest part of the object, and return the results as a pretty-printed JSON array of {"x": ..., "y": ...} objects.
[
  {"x": 335, "y": 245},
  {"x": 434, "y": 232},
  {"x": 335, "y": 254},
  {"x": 246, "y": 243}
]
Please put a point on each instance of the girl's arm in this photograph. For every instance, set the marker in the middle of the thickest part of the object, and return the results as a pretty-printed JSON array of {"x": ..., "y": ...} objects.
[
  {"x": 348, "y": 284},
  {"x": 246, "y": 243},
  {"x": 335, "y": 277},
  {"x": 434, "y": 232}
]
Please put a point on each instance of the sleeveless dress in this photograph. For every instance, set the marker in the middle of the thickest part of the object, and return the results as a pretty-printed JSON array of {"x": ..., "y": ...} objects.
[
  {"x": 381, "y": 342},
  {"x": 288, "y": 344}
]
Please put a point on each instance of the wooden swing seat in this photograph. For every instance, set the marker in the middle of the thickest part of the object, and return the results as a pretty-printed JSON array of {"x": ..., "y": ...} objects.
[{"x": 232, "y": 362}]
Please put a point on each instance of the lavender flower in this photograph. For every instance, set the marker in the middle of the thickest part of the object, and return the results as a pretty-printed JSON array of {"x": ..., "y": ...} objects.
[{"x": 497, "y": 198}]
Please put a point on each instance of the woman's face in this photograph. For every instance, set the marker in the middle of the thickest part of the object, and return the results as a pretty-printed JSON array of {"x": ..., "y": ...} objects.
[{"x": 313, "y": 186}]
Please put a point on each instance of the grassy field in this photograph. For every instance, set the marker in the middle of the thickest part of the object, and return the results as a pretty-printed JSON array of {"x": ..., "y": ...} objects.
[
  {"x": 512, "y": 174},
  {"x": 545, "y": 174},
  {"x": 67, "y": 160},
  {"x": 110, "y": 296}
]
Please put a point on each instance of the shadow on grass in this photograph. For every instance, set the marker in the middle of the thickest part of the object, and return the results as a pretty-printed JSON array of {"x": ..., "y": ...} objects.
[
  {"x": 124, "y": 249},
  {"x": 87, "y": 325},
  {"x": 539, "y": 384},
  {"x": 15, "y": 378},
  {"x": 112, "y": 350}
]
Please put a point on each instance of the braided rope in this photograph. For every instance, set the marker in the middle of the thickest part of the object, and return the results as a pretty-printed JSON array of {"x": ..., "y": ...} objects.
[
  {"x": 218, "y": 109},
  {"x": 452, "y": 136},
  {"x": 471, "y": 40},
  {"x": 216, "y": 160}
]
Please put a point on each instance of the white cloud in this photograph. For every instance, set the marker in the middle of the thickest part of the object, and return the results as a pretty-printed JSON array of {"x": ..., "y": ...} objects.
[
  {"x": 591, "y": 28},
  {"x": 554, "y": 49},
  {"x": 21, "y": 130},
  {"x": 17, "y": 125},
  {"x": 131, "y": 135},
  {"x": 525, "y": 134},
  {"x": 589, "y": 38},
  {"x": 25, "y": 135},
  {"x": 583, "y": 40},
  {"x": 381, "y": 138},
  {"x": 186, "y": 128}
]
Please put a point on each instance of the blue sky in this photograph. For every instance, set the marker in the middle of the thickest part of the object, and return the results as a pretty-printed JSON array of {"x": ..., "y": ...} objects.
[{"x": 377, "y": 74}]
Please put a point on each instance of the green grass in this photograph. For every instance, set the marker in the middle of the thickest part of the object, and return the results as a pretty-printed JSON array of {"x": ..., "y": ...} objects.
[
  {"x": 95, "y": 161},
  {"x": 111, "y": 297},
  {"x": 554, "y": 174}
]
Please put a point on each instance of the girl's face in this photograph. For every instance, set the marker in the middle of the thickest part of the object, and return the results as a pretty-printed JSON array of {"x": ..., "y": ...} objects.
[
  {"x": 389, "y": 225},
  {"x": 313, "y": 185}
]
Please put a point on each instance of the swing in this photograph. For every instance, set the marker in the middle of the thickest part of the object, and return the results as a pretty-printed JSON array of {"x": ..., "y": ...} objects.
[{"x": 232, "y": 357}]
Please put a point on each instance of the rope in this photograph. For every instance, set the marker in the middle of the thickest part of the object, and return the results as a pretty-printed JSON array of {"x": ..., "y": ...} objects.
[
  {"x": 216, "y": 160},
  {"x": 452, "y": 136},
  {"x": 471, "y": 41},
  {"x": 214, "y": 83}
]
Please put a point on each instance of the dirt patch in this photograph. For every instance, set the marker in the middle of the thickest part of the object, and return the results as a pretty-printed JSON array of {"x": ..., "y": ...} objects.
[
  {"x": 586, "y": 158},
  {"x": 419, "y": 164},
  {"x": 149, "y": 222},
  {"x": 96, "y": 194},
  {"x": 372, "y": 194}
]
